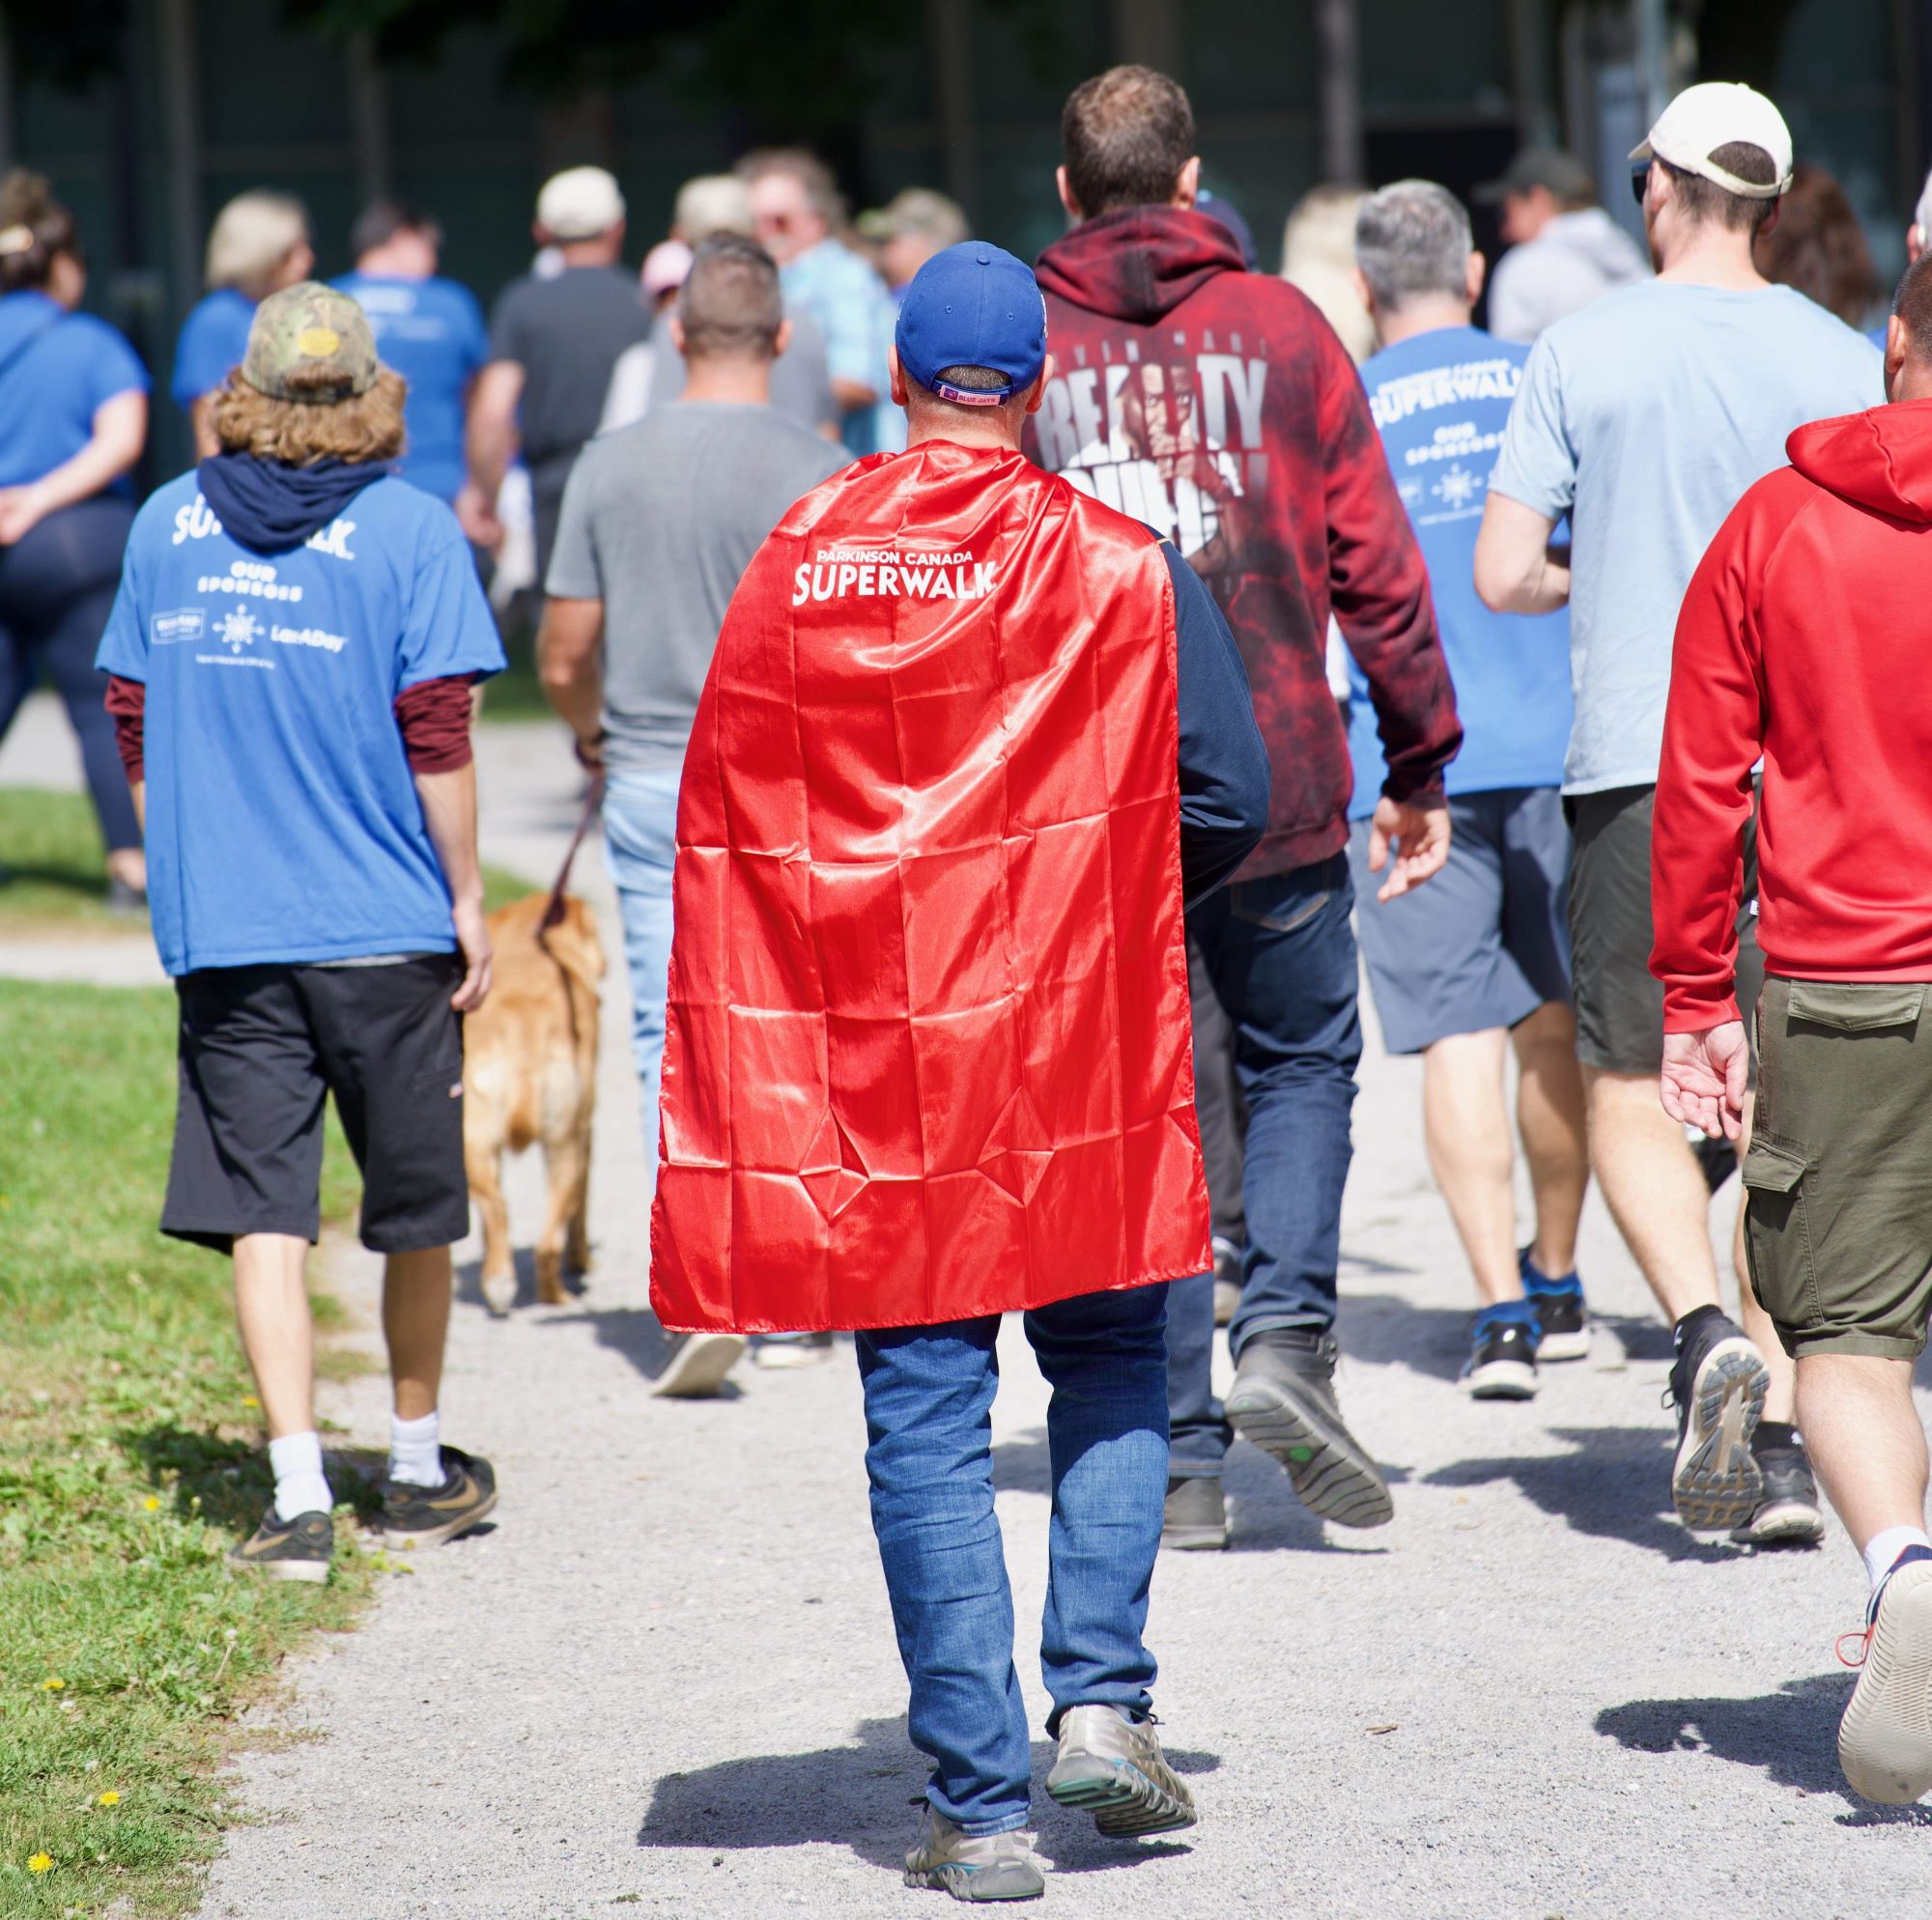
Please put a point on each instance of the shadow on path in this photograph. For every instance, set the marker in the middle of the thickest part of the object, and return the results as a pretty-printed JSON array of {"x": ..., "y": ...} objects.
[
  {"x": 1792, "y": 1735},
  {"x": 858, "y": 1796},
  {"x": 1616, "y": 1486}
]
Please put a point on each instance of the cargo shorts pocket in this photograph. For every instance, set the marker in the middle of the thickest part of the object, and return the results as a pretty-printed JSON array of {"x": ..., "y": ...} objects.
[
  {"x": 1856, "y": 1006},
  {"x": 1777, "y": 1240}
]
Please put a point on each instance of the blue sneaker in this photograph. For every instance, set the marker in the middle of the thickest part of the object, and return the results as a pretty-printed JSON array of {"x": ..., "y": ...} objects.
[
  {"x": 1560, "y": 1312},
  {"x": 1502, "y": 1353},
  {"x": 1885, "y": 1739}
]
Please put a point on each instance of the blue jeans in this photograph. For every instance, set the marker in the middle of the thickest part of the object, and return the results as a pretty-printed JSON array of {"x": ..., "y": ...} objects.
[
  {"x": 928, "y": 1421},
  {"x": 640, "y": 845},
  {"x": 1281, "y": 956}
]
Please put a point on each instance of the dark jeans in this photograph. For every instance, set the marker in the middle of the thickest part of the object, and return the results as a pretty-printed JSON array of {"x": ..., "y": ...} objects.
[
  {"x": 928, "y": 1421},
  {"x": 1281, "y": 956},
  {"x": 57, "y": 585},
  {"x": 1218, "y": 1105}
]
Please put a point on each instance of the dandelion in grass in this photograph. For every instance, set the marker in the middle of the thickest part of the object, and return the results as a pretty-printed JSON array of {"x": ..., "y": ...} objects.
[
  {"x": 249, "y": 1399},
  {"x": 40, "y": 1863},
  {"x": 52, "y": 1684},
  {"x": 152, "y": 1504},
  {"x": 111, "y": 1798}
]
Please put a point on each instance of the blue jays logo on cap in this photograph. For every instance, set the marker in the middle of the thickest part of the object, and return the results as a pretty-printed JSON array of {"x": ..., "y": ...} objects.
[{"x": 974, "y": 305}]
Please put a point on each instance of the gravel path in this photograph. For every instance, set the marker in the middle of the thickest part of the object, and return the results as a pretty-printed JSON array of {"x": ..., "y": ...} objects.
[{"x": 666, "y": 1678}]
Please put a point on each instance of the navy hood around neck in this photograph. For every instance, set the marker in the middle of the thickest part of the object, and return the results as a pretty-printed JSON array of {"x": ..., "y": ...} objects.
[{"x": 271, "y": 506}]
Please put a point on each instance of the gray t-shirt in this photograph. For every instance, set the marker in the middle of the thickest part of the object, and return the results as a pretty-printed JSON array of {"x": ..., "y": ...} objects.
[
  {"x": 566, "y": 333},
  {"x": 1644, "y": 417},
  {"x": 660, "y": 522}
]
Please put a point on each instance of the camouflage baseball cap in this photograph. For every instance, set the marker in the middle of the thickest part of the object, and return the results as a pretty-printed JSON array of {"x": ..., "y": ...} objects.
[{"x": 312, "y": 344}]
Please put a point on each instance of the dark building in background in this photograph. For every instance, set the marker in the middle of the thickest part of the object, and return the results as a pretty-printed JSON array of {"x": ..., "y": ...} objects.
[{"x": 179, "y": 103}]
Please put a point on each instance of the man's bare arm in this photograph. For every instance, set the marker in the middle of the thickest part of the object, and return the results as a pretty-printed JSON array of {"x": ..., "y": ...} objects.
[
  {"x": 1514, "y": 571},
  {"x": 570, "y": 667},
  {"x": 449, "y": 812},
  {"x": 490, "y": 443}
]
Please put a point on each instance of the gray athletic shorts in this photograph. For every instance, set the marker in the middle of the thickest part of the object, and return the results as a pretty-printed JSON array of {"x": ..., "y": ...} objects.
[
  {"x": 1482, "y": 943},
  {"x": 1619, "y": 1000}
]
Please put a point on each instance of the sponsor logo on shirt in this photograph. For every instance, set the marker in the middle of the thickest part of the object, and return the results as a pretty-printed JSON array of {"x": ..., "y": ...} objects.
[
  {"x": 237, "y": 629},
  {"x": 307, "y": 636},
  {"x": 185, "y": 623},
  {"x": 893, "y": 573},
  {"x": 1395, "y": 400}
]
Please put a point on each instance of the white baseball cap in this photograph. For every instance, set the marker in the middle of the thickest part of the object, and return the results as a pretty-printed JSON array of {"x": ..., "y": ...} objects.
[
  {"x": 579, "y": 203},
  {"x": 1711, "y": 115}
]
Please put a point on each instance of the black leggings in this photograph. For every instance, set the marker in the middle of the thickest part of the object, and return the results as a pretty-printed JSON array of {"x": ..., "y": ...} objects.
[{"x": 57, "y": 585}]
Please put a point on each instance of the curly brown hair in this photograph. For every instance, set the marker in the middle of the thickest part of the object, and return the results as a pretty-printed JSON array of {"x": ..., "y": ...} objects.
[{"x": 298, "y": 433}]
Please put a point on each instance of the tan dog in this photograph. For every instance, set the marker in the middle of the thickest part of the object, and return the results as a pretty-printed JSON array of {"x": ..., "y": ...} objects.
[{"x": 529, "y": 1075}]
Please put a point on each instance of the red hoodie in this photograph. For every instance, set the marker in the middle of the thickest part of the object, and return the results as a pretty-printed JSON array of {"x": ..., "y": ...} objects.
[
  {"x": 1802, "y": 638},
  {"x": 1218, "y": 406}
]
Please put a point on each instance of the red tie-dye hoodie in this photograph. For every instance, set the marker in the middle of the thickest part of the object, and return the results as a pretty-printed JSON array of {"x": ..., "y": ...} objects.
[{"x": 1218, "y": 406}]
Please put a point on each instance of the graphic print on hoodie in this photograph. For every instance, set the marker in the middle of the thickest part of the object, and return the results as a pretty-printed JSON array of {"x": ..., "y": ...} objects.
[
  {"x": 1218, "y": 406},
  {"x": 1802, "y": 638}
]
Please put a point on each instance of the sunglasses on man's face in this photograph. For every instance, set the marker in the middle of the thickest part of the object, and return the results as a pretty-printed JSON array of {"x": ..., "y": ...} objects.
[{"x": 1641, "y": 180}]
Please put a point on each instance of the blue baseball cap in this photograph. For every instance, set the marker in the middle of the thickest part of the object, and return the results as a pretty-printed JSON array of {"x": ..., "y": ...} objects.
[{"x": 974, "y": 305}]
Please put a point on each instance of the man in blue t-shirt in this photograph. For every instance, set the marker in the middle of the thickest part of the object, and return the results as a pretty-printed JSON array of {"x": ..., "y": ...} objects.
[
  {"x": 1478, "y": 961},
  {"x": 291, "y": 657},
  {"x": 429, "y": 330}
]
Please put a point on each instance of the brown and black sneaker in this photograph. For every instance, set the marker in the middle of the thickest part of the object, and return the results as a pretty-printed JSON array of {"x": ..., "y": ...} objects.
[
  {"x": 297, "y": 1549},
  {"x": 422, "y": 1516}
]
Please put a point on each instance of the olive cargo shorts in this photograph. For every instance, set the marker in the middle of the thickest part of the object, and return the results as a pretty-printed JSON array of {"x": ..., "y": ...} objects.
[{"x": 1838, "y": 1225}]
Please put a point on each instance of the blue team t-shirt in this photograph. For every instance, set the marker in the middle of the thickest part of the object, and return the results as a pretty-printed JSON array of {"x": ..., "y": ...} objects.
[
  {"x": 1440, "y": 400},
  {"x": 431, "y": 332},
  {"x": 56, "y": 370},
  {"x": 283, "y": 823},
  {"x": 213, "y": 339}
]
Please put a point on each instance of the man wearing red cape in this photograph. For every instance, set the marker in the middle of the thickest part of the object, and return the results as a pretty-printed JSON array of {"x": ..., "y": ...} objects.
[{"x": 969, "y": 741}]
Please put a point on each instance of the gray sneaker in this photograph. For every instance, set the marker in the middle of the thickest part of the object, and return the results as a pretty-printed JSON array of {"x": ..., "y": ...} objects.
[
  {"x": 1194, "y": 1516},
  {"x": 1283, "y": 1402},
  {"x": 991, "y": 1866},
  {"x": 1114, "y": 1768}
]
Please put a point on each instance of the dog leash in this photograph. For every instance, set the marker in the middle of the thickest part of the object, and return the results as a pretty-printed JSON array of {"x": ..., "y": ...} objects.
[{"x": 592, "y": 800}]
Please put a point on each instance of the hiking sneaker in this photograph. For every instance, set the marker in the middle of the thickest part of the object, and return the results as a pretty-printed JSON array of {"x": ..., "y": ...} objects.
[
  {"x": 423, "y": 1516},
  {"x": 297, "y": 1549},
  {"x": 1283, "y": 1401},
  {"x": 1502, "y": 1354},
  {"x": 1227, "y": 1281},
  {"x": 1717, "y": 1387},
  {"x": 1194, "y": 1516},
  {"x": 1787, "y": 1513},
  {"x": 698, "y": 1366},
  {"x": 1114, "y": 1768},
  {"x": 983, "y": 1866},
  {"x": 1560, "y": 1312},
  {"x": 1885, "y": 1739}
]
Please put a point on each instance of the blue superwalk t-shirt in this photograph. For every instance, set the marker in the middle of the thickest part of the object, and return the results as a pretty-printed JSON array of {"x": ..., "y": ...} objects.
[
  {"x": 214, "y": 342},
  {"x": 282, "y": 819},
  {"x": 432, "y": 332},
  {"x": 1440, "y": 399}
]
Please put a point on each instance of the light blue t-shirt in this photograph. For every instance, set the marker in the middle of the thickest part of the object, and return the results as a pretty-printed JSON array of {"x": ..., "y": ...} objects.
[
  {"x": 1440, "y": 399},
  {"x": 1644, "y": 417},
  {"x": 283, "y": 823},
  {"x": 214, "y": 340},
  {"x": 57, "y": 369},
  {"x": 431, "y": 332},
  {"x": 849, "y": 300}
]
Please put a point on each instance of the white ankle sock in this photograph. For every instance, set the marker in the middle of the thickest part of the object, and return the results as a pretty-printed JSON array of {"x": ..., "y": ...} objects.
[
  {"x": 416, "y": 1453},
  {"x": 1883, "y": 1548},
  {"x": 300, "y": 1486}
]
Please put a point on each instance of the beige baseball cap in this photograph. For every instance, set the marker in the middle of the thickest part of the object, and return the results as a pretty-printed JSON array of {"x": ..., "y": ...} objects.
[
  {"x": 917, "y": 210},
  {"x": 1711, "y": 115},
  {"x": 580, "y": 204}
]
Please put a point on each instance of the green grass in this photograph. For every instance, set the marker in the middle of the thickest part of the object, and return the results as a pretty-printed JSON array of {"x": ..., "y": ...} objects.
[
  {"x": 51, "y": 846},
  {"x": 515, "y": 695},
  {"x": 130, "y": 1461}
]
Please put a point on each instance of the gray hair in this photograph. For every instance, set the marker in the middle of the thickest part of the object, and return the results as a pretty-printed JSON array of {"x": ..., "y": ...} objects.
[{"x": 1412, "y": 237}]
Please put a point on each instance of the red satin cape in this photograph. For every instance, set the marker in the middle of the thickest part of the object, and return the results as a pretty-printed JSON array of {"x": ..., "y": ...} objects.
[{"x": 927, "y": 1051}]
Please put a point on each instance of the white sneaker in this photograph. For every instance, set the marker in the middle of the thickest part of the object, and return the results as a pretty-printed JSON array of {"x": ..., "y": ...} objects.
[
  {"x": 698, "y": 1366},
  {"x": 792, "y": 1350},
  {"x": 1885, "y": 1740},
  {"x": 1114, "y": 1768},
  {"x": 990, "y": 1866}
]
